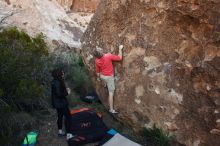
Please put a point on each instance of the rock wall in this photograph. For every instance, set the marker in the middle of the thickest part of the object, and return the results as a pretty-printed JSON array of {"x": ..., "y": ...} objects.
[
  {"x": 84, "y": 5},
  {"x": 66, "y": 4},
  {"x": 170, "y": 73},
  {"x": 48, "y": 18},
  {"x": 79, "y": 5}
]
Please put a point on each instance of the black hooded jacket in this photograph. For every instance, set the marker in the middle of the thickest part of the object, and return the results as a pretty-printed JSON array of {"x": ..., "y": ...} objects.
[{"x": 59, "y": 93}]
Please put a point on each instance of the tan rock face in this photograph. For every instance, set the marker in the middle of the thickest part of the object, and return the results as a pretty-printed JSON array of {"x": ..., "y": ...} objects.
[
  {"x": 170, "y": 74},
  {"x": 79, "y": 5}
]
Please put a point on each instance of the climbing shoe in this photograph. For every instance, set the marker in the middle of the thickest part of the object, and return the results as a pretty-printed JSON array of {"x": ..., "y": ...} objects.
[
  {"x": 61, "y": 133},
  {"x": 113, "y": 111}
]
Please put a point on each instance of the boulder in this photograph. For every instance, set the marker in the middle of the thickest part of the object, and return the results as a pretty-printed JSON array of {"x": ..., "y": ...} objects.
[
  {"x": 171, "y": 65},
  {"x": 79, "y": 5}
]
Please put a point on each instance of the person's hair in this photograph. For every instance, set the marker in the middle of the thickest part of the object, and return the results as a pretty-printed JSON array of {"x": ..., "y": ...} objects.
[
  {"x": 57, "y": 74},
  {"x": 98, "y": 53}
]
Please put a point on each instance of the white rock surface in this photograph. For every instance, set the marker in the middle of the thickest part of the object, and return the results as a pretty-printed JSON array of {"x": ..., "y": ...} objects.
[{"x": 47, "y": 16}]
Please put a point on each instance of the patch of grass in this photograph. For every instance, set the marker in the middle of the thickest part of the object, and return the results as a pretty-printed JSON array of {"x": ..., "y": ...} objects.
[{"x": 156, "y": 136}]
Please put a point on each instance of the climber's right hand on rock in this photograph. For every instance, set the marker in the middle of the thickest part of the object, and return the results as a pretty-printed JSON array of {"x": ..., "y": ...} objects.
[{"x": 121, "y": 47}]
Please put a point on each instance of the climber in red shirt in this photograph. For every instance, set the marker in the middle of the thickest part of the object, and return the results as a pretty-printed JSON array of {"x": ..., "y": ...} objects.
[{"x": 105, "y": 71}]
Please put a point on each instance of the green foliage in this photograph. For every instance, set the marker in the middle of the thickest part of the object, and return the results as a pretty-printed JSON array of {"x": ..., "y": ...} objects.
[
  {"x": 76, "y": 73},
  {"x": 29, "y": 89},
  {"x": 20, "y": 63},
  {"x": 157, "y": 136},
  {"x": 80, "y": 62},
  {"x": 24, "y": 64},
  {"x": 25, "y": 74},
  {"x": 1, "y": 92}
]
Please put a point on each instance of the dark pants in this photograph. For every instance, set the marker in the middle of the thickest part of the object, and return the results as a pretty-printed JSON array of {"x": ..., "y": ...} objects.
[{"x": 66, "y": 113}]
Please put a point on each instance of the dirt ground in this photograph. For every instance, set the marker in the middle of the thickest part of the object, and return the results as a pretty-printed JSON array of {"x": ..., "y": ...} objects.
[{"x": 48, "y": 133}]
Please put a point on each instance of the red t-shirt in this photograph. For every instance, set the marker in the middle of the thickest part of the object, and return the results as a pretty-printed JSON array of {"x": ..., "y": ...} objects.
[{"x": 104, "y": 64}]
